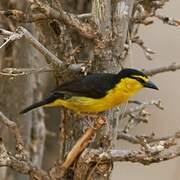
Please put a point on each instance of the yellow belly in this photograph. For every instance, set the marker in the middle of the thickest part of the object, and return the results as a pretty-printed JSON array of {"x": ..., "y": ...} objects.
[
  {"x": 91, "y": 105},
  {"x": 114, "y": 97}
]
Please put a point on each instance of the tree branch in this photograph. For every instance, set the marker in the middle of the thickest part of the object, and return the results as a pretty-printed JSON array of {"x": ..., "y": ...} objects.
[
  {"x": 150, "y": 139},
  {"x": 20, "y": 16},
  {"x": 13, "y": 72},
  {"x": 18, "y": 162},
  {"x": 171, "y": 67},
  {"x": 168, "y": 20},
  {"x": 81, "y": 144},
  {"x": 51, "y": 58},
  {"x": 142, "y": 157},
  {"x": 68, "y": 19},
  {"x": 92, "y": 156},
  {"x": 12, "y": 126}
]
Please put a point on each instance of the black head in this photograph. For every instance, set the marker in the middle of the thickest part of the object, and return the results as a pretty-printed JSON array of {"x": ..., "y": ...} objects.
[{"x": 137, "y": 75}]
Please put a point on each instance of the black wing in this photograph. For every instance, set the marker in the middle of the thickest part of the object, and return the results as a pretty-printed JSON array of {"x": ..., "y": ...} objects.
[{"x": 93, "y": 86}]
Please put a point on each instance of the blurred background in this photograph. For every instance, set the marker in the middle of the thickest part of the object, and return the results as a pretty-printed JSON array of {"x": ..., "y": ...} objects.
[{"x": 165, "y": 41}]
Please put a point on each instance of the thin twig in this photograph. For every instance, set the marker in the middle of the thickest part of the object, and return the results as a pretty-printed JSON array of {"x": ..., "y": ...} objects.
[
  {"x": 150, "y": 139},
  {"x": 51, "y": 58},
  {"x": 168, "y": 20},
  {"x": 20, "y": 16},
  {"x": 142, "y": 106},
  {"x": 13, "y": 72},
  {"x": 12, "y": 126},
  {"x": 171, "y": 67},
  {"x": 138, "y": 114},
  {"x": 147, "y": 51}
]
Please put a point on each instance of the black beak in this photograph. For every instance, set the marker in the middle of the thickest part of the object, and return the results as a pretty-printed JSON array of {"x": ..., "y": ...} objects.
[{"x": 151, "y": 85}]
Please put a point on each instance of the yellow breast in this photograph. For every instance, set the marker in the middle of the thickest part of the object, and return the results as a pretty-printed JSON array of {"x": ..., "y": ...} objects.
[{"x": 118, "y": 95}]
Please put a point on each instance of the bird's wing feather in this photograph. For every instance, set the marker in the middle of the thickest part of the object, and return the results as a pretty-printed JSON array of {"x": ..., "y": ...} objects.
[{"x": 93, "y": 86}]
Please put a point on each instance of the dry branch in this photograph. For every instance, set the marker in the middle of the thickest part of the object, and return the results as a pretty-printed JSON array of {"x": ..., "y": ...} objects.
[
  {"x": 20, "y": 16},
  {"x": 136, "y": 156},
  {"x": 171, "y": 67},
  {"x": 168, "y": 20},
  {"x": 77, "y": 149},
  {"x": 147, "y": 51},
  {"x": 18, "y": 162},
  {"x": 12, "y": 126},
  {"x": 138, "y": 114},
  {"x": 142, "y": 157},
  {"x": 150, "y": 139},
  {"x": 13, "y": 72},
  {"x": 68, "y": 19},
  {"x": 51, "y": 58},
  {"x": 156, "y": 103}
]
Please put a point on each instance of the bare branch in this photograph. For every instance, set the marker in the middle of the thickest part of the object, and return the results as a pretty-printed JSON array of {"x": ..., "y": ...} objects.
[
  {"x": 68, "y": 19},
  {"x": 13, "y": 72},
  {"x": 12, "y": 126},
  {"x": 20, "y": 16},
  {"x": 150, "y": 139},
  {"x": 21, "y": 166},
  {"x": 84, "y": 16},
  {"x": 143, "y": 105},
  {"x": 142, "y": 157},
  {"x": 51, "y": 58},
  {"x": 135, "y": 156},
  {"x": 147, "y": 51},
  {"x": 80, "y": 145},
  {"x": 19, "y": 162},
  {"x": 168, "y": 20},
  {"x": 11, "y": 36},
  {"x": 171, "y": 67},
  {"x": 138, "y": 114}
]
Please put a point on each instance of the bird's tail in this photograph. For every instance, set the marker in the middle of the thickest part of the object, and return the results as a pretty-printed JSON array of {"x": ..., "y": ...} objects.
[{"x": 46, "y": 101}]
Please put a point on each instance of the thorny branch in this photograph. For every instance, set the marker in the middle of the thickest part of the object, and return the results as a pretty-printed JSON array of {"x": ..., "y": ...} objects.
[
  {"x": 137, "y": 114},
  {"x": 143, "y": 157},
  {"x": 51, "y": 58},
  {"x": 44, "y": 12},
  {"x": 19, "y": 161},
  {"x": 150, "y": 139},
  {"x": 68, "y": 19},
  {"x": 20, "y": 16},
  {"x": 12, "y": 126},
  {"x": 160, "y": 153}
]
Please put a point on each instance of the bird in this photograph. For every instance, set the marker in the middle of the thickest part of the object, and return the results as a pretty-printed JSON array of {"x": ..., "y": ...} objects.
[{"x": 96, "y": 93}]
